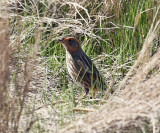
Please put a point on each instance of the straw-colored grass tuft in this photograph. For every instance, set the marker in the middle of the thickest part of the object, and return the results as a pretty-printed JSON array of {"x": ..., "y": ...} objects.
[{"x": 4, "y": 75}]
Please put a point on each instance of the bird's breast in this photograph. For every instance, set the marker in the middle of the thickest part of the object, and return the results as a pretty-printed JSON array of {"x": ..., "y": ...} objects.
[
  {"x": 72, "y": 68},
  {"x": 70, "y": 65}
]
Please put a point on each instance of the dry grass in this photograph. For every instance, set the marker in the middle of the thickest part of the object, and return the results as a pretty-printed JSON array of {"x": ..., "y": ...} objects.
[
  {"x": 4, "y": 72},
  {"x": 15, "y": 76}
]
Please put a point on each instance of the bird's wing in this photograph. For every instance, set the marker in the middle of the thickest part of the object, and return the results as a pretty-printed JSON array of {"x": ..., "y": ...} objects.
[{"x": 88, "y": 73}]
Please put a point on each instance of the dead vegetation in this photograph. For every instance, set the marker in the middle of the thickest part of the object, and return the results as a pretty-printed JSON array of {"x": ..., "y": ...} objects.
[
  {"x": 13, "y": 92},
  {"x": 4, "y": 75}
]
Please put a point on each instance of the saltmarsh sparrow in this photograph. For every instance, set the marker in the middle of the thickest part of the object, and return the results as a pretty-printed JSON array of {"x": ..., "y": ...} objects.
[{"x": 80, "y": 67}]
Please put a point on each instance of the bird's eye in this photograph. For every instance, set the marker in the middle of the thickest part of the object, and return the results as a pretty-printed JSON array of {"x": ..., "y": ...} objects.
[
  {"x": 70, "y": 40},
  {"x": 72, "y": 43}
]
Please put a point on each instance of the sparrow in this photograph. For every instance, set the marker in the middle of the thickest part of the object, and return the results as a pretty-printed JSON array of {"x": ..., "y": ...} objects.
[{"x": 80, "y": 67}]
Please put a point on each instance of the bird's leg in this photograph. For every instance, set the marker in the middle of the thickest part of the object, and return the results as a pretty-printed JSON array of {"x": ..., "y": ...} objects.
[
  {"x": 86, "y": 92},
  {"x": 93, "y": 94}
]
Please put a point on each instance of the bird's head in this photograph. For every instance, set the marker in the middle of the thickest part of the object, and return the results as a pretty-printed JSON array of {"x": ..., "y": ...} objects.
[{"x": 71, "y": 44}]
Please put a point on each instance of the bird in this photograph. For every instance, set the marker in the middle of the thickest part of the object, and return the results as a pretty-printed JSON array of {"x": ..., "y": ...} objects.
[{"x": 80, "y": 67}]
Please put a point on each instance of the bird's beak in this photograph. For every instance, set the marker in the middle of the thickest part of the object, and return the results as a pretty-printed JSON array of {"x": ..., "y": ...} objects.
[{"x": 60, "y": 41}]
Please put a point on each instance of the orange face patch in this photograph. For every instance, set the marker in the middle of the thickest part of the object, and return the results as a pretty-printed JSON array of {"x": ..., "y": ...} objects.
[
  {"x": 71, "y": 48},
  {"x": 68, "y": 46}
]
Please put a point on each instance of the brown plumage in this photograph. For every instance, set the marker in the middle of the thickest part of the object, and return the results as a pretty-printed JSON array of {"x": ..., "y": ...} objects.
[{"x": 80, "y": 67}]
